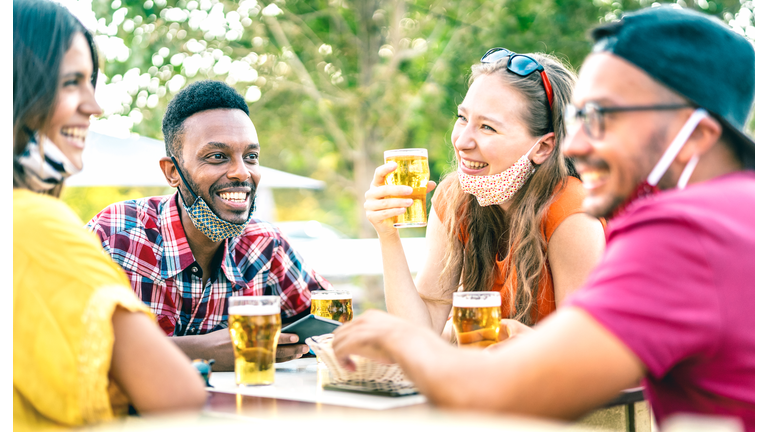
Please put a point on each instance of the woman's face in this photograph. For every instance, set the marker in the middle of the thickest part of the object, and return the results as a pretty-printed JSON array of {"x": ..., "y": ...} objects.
[
  {"x": 75, "y": 102},
  {"x": 489, "y": 136}
]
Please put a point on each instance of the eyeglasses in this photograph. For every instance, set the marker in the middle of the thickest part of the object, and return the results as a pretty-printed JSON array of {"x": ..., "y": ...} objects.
[
  {"x": 591, "y": 116},
  {"x": 520, "y": 64}
]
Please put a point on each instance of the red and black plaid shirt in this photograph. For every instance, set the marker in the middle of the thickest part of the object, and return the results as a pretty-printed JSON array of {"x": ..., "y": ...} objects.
[{"x": 146, "y": 238}]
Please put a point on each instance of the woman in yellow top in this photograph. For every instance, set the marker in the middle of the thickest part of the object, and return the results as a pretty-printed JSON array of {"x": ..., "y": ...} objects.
[
  {"x": 509, "y": 219},
  {"x": 84, "y": 346}
]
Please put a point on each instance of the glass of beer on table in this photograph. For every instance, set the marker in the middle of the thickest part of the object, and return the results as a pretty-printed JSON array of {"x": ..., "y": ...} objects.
[
  {"x": 332, "y": 304},
  {"x": 254, "y": 327},
  {"x": 477, "y": 318},
  {"x": 412, "y": 170}
]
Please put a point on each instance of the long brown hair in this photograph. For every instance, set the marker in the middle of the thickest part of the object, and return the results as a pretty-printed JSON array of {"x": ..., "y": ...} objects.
[
  {"x": 42, "y": 34},
  {"x": 479, "y": 235}
]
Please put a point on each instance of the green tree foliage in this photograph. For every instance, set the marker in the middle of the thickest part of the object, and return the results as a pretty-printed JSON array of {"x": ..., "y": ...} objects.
[{"x": 333, "y": 83}]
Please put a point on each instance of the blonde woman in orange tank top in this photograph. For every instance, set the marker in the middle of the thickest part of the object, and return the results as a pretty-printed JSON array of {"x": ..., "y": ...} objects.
[{"x": 509, "y": 218}]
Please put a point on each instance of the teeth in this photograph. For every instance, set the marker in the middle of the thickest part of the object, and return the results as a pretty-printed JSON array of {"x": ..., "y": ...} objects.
[
  {"x": 474, "y": 165},
  {"x": 233, "y": 196},
  {"x": 74, "y": 132},
  {"x": 590, "y": 178}
]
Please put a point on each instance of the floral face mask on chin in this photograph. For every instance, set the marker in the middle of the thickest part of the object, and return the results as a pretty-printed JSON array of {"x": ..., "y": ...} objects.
[{"x": 499, "y": 188}]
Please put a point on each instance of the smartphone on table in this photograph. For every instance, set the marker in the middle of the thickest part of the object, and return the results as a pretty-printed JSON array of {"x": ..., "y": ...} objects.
[{"x": 310, "y": 326}]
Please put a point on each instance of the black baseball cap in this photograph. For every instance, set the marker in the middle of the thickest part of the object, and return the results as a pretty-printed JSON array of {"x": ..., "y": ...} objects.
[{"x": 695, "y": 55}]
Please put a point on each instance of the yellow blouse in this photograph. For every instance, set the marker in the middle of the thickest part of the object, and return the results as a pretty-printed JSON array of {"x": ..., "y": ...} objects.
[{"x": 65, "y": 290}]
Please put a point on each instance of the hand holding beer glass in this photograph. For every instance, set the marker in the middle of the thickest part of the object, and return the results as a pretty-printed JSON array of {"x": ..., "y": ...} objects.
[
  {"x": 254, "y": 327},
  {"x": 412, "y": 170},
  {"x": 477, "y": 318}
]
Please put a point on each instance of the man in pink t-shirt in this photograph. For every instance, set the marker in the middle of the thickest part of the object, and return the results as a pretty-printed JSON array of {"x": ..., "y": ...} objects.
[
  {"x": 656, "y": 135},
  {"x": 677, "y": 286}
]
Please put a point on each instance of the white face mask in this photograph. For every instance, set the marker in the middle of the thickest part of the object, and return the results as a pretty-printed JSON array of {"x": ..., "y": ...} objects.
[
  {"x": 499, "y": 188},
  {"x": 648, "y": 187},
  {"x": 674, "y": 148}
]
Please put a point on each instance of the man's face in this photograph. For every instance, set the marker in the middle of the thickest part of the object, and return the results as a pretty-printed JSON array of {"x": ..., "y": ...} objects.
[
  {"x": 220, "y": 160},
  {"x": 611, "y": 167}
]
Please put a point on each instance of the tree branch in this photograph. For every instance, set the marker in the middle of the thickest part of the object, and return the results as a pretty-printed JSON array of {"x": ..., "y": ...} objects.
[
  {"x": 311, "y": 89},
  {"x": 398, "y": 131}
]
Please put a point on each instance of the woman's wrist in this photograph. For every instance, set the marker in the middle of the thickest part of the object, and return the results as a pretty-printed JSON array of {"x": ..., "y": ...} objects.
[{"x": 389, "y": 235}]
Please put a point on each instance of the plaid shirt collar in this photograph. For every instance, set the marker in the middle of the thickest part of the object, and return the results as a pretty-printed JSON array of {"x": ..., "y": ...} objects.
[{"x": 177, "y": 255}]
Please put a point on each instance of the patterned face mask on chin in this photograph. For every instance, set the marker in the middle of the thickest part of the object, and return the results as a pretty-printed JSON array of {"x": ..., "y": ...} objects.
[
  {"x": 499, "y": 188},
  {"x": 206, "y": 221},
  {"x": 44, "y": 172}
]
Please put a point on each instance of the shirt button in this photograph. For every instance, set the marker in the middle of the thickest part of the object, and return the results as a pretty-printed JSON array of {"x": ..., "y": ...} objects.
[
  {"x": 193, "y": 330},
  {"x": 195, "y": 270}
]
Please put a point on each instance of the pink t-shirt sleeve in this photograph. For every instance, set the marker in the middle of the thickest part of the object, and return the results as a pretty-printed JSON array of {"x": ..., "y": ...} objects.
[{"x": 653, "y": 291}]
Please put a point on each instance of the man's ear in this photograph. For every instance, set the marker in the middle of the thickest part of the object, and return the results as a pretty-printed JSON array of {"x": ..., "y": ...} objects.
[
  {"x": 170, "y": 172},
  {"x": 702, "y": 139},
  {"x": 544, "y": 149}
]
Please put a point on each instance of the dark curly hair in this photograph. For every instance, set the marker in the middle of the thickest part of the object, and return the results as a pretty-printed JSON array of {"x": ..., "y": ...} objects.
[{"x": 198, "y": 96}]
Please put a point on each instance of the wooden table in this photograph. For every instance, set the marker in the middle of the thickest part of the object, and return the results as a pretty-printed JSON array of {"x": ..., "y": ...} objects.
[
  {"x": 423, "y": 417},
  {"x": 228, "y": 405}
]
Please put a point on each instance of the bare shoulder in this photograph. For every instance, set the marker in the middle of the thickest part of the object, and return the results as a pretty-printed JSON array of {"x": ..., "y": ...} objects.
[{"x": 579, "y": 226}]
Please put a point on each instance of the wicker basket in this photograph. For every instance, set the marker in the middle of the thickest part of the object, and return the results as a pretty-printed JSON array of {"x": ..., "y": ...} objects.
[{"x": 366, "y": 371}]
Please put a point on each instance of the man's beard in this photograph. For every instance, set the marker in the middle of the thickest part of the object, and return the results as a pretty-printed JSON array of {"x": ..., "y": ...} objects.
[
  {"x": 617, "y": 203},
  {"x": 605, "y": 211},
  {"x": 212, "y": 190}
]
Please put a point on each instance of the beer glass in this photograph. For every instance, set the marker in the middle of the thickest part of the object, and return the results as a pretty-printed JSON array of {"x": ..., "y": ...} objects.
[
  {"x": 332, "y": 304},
  {"x": 254, "y": 327},
  {"x": 477, "y": 318},
  {"x": 412, "y": 170}
]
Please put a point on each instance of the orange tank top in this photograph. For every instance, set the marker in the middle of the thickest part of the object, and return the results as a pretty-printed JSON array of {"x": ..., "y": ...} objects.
[{"x": 566, "y": 203}]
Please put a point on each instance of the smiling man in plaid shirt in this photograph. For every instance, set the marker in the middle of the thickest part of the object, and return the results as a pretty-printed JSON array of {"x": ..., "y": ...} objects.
[{"x": 186, "y": 253}]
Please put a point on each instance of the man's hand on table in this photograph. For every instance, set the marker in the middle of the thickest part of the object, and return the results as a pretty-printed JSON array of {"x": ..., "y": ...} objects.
[
  {"x": 217, "y": 345},
  {"x": 287, "y": 352}
]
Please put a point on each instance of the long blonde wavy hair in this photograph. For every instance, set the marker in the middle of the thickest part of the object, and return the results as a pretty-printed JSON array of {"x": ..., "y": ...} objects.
[{"x": 492, "y": 232}]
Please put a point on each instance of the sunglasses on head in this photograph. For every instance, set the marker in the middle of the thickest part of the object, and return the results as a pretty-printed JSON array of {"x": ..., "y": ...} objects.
[{"x": 519, "y": 64}]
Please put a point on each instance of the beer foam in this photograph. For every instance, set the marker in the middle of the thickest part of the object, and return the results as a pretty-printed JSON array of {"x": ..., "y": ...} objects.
[
  {"x": 405, "y": 152},
  {"x": 490, "y": 301},
  {"x": 331, "y": 295},
  {"x": 254, "y": 310}
]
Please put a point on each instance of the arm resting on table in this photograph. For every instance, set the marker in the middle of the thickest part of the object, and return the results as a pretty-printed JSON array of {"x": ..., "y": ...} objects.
[
  {"x": 217, "y": 345},
  {"x": 570, "y": 366},
  {"x": 151, "y": 371}
]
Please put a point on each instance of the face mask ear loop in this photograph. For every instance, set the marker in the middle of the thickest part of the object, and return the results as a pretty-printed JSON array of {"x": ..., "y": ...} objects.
[
  {"x": 687, "y": 171},
  {"x": 674, "y": 148},
  {"x": 532, "y": 147},
  {"x": 173, "y": 159}
]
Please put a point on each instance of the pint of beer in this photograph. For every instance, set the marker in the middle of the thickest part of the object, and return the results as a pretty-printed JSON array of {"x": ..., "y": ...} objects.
[
  {"x": 477, "y": 318},
  {"x": 332, "y": 304},
  {"x": 254, "y": 326},
  {"x": 412, "y": 170}
]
